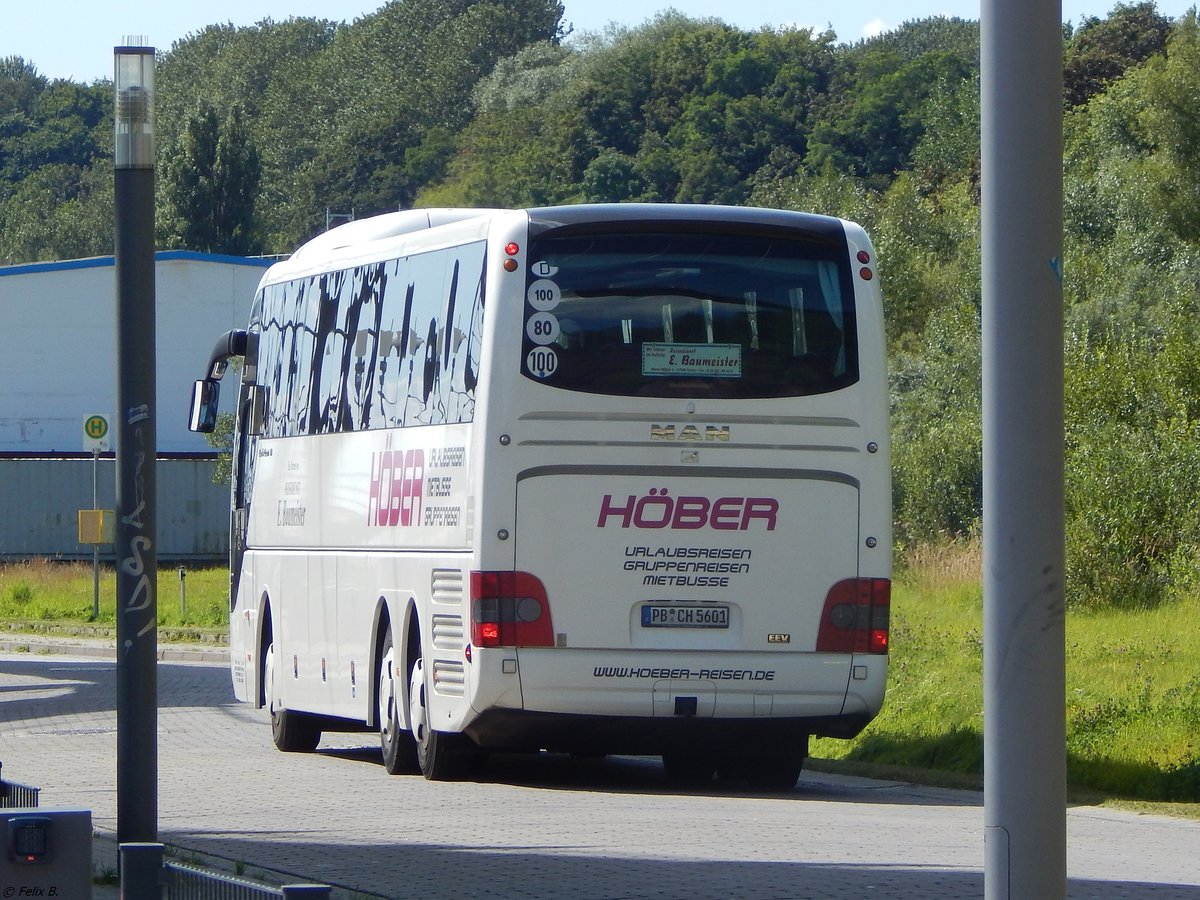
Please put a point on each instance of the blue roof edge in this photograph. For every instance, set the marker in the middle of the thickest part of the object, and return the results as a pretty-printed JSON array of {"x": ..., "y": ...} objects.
[{"x": 97, "y": 262}]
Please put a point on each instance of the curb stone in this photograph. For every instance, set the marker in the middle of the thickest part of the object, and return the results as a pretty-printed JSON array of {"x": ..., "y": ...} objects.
[{"x": 37, "y": 644}]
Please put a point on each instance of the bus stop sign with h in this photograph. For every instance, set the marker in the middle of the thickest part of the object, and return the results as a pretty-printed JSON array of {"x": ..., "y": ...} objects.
[{"x": 96, "y": 525}]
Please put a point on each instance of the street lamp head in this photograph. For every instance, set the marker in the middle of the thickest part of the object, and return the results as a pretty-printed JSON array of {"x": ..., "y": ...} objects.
[{"x": 134, "y": 111}]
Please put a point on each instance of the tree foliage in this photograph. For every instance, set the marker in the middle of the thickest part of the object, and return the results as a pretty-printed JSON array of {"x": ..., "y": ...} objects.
[
  {"x": 212, "y": 184},
  {"x": 55, "y": 166},
  {"x": 265, "y": 129},
  {"x": 1101, "y": 50}
]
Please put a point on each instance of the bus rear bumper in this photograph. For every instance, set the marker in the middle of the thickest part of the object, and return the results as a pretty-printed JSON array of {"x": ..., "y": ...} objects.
[
  {"x": 609, "y": 701},
  {"x": 522, "y": 730}
]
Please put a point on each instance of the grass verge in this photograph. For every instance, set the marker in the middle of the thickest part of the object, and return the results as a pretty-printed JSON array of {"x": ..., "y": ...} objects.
[
  {"x": 46, "y": 596},
  {"x": 1133, "y": 691}
]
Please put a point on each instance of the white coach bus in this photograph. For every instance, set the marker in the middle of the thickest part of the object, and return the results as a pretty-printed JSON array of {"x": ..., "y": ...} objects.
[{"x": 589, "y": 479}]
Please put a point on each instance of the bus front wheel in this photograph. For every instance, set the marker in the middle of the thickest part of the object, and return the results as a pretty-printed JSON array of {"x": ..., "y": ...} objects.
[{"x": 292, "y": 732}]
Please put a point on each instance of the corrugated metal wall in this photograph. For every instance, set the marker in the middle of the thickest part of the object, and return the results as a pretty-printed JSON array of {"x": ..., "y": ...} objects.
[{"x": 40, "y": 500}]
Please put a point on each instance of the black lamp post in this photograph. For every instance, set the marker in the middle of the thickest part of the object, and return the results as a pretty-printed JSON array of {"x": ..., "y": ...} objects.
[{"x": 136, "y": 525}]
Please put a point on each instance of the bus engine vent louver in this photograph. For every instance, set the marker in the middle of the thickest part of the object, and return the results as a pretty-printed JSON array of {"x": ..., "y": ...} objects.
[
  {"x": 447, "y": 632},
  {"x": 446, "y": 586},
  {"x": 449, "y": 677}
]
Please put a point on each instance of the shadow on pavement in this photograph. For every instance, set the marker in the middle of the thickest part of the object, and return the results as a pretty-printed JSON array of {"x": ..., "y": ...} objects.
[{"x": 442, "y": 870}]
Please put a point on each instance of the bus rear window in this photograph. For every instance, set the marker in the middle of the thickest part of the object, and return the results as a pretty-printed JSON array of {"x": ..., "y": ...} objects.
[{"x": 683, "y": 314}]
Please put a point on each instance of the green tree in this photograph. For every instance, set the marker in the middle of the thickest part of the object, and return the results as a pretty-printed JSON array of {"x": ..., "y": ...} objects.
[
  {"x": 1170, "y": 123},
  {"x": 678, "y": 109},
  {"x": 221, "y": 440},
  {"x": 269, "y": 70},
  {"x": 1133, "y": 460},
  {"x": 20, "y": 85},
  {"x": 611, "y": 178},
  {"x": 937, "y": 429},
  {"x": 418, "y": 62},
  {"x": 212, "y": 185},
  {"x": 875, "y": 116},
  {"x": 58, "y": 212},
  {"x": 1101, "y": 50},
  {"x": 55, "y": 166}
]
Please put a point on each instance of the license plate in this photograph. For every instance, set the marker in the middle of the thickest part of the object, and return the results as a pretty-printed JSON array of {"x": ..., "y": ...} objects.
[{"x": 672, "y": 616}]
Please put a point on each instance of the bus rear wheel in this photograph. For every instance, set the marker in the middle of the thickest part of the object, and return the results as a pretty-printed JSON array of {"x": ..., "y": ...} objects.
[
  {"x": 689, "y": 767},
  {"x": 399, "y": 748},
  {"x": 774, "y": 772},
  {"x": 441, "y": 756},
  {"x": 291, "y": 731},
  {"x": 774, "y": 769}
]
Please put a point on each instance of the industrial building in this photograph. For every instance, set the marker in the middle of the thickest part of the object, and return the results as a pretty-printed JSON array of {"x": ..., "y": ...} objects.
[{"x": 58, "y": 331}]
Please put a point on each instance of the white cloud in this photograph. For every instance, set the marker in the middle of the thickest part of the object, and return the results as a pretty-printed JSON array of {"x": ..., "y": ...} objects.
[{"x": 874, "y": 28}]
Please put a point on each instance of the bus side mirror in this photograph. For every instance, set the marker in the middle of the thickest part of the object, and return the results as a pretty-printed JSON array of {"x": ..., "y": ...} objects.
[{"x": 203, "y": 416}]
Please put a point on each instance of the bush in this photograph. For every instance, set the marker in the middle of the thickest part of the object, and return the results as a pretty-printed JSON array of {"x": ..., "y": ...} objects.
[
  {"x": 1133, "y": 465},
  {"x": 1132, "y": 523},
  {"x": 936, "y": 432}
]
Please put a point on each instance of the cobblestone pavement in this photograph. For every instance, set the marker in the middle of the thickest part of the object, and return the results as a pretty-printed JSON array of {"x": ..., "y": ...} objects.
[{"x": 540, "y": 827}]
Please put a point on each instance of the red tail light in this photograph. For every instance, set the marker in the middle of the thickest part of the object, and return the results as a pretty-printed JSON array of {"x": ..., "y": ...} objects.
[
  {"x": 855, "y": 618},
  {"x": 509, "y": 609}
]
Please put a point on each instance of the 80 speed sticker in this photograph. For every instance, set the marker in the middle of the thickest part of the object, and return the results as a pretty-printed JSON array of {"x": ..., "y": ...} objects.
[{"x": 542, "y": 328}]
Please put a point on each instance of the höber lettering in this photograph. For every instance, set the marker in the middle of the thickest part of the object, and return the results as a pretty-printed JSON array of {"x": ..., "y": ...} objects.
[
  {"x": 659, "y": 510},
  {"x": 397, "y": 484}
]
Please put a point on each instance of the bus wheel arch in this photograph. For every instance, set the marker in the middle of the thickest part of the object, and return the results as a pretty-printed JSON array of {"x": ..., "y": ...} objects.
[
  {"x": 263, "y": 643},
  {"x": 292, "y": 732},
  {"x": 379, "y": 628}
]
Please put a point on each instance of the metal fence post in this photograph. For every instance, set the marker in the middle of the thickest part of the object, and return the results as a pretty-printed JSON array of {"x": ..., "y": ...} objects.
[{"x": 141, "y": 871}]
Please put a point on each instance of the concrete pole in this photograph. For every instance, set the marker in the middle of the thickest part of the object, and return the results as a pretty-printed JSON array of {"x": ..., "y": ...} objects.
[
  {"x": 135, "y": 543},
  {"x": 1023, "y": 533}
]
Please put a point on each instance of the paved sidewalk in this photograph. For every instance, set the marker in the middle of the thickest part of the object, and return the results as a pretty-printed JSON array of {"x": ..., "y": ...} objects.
[
  {"x": 104, "y": 843},
  {"x": 105, "y": 850},
  {"x": 537, "y": 828}
]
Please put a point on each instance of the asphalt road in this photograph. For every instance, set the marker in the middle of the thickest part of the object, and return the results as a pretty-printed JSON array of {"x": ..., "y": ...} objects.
[{"x": 538, "y": 827}]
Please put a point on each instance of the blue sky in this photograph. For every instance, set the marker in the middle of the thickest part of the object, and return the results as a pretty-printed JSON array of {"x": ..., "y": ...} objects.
[{"x": 74, "y": 38}]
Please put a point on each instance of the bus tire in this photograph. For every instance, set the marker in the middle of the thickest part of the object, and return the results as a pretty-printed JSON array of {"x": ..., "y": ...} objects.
[
  {"x": 292, "y": 732},
  {"x": 774, "y": 771},
  {"x": 439, "y": 754},
  {"x": 399, "y": 748},
  {"x": 688, "y": 767}
]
